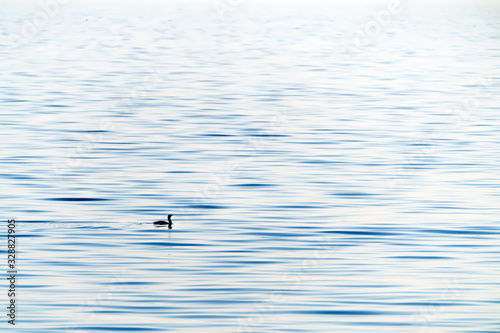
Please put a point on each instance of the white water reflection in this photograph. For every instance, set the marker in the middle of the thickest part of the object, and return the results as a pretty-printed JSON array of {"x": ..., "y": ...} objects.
[{"x": 311, "y": 192}]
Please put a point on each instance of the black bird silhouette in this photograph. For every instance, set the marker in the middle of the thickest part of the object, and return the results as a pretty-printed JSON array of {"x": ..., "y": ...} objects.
[{"x": 162, "y": 223}]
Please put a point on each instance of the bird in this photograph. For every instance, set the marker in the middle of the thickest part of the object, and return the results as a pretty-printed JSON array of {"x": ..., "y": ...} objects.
[{"x": 161, "y": 223}]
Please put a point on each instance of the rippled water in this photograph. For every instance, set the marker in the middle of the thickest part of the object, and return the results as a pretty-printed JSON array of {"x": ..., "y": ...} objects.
[{"x": 329, "y": 168}]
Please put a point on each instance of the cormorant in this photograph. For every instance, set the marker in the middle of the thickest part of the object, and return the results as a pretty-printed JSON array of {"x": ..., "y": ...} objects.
[{"x": 160, "y": 223}]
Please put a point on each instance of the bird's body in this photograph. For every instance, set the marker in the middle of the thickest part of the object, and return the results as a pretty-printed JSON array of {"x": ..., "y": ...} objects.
[{"x": 161, "y": 223}]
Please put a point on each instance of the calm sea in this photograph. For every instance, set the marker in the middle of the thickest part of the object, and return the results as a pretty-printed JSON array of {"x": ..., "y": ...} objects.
[{"x": 329, "y": 167}]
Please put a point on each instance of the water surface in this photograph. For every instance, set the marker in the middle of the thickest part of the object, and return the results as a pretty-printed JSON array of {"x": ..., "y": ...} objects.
[{"x": 323, "y": 177}]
